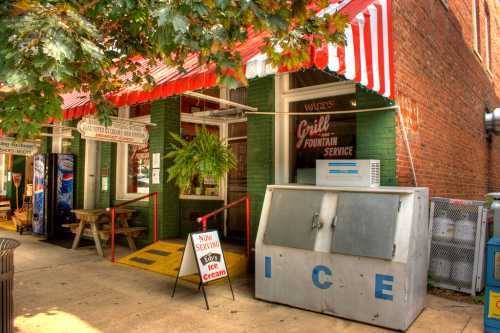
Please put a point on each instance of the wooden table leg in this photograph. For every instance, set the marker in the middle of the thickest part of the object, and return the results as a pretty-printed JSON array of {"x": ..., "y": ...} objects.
[
  {"x": 97, "y": 240},
  {"x": 124, "y": 224},
  {"x": 78, "y": 234}
]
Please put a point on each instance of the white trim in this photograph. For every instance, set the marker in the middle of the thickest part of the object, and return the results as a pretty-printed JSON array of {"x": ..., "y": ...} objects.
[
  {"x": 475, "y": 42},
  {"x": 487, "y": 39},
  {"x": 219, "y": 100},
  {"x": 284, "y": 96},
  {"x": 122, "y": 161}
]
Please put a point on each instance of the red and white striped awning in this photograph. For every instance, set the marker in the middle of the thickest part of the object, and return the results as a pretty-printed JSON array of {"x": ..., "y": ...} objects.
[{"x": 367, "y": 58}]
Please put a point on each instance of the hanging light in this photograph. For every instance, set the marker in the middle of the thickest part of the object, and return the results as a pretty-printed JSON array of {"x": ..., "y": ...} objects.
[{"x": 492, "y": 121}]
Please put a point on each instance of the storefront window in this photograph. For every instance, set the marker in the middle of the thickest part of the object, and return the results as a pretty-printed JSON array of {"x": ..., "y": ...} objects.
[
  {"x": 315, "y": 135},
  {"x": 133, "y": 161},
  {"x": 138, "y": 169},
  {"x": 209, "y": 187}
]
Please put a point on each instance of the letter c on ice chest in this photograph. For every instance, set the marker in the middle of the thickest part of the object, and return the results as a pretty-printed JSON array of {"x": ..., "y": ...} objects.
[{"x": 316, "y": 277}]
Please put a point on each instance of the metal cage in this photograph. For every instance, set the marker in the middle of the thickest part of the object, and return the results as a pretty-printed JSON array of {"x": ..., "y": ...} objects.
[{"x": 458, "y": 244}]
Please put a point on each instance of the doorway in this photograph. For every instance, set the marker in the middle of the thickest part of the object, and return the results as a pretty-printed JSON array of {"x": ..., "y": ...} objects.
[
  {"x": 90, "y": 195},
  {"x": 237, "y": 181}
]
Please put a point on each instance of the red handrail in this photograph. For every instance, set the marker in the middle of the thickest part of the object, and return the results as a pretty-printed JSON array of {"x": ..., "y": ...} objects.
[
  {"x": 203, "y": 219},
  {"x": 113, "y": 218}
]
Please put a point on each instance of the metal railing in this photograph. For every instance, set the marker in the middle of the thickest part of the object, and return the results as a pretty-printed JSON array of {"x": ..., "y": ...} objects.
[
  {"x": 203, "y": 219},
  {"x": 113, "y": 218}
]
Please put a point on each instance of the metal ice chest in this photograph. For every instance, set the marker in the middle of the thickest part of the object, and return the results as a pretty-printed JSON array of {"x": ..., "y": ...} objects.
[{"x": 359, "y": 253}]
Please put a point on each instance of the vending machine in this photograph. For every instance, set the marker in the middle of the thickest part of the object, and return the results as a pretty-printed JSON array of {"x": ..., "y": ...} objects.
[{"x": 53, "y": 199}]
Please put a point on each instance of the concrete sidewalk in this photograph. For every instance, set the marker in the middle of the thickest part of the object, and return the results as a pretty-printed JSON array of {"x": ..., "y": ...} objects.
[{"x": 59, "y": 290}]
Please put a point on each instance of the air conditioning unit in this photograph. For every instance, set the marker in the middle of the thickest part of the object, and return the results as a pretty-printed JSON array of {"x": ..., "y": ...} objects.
[{"x": 364, "y": 173}]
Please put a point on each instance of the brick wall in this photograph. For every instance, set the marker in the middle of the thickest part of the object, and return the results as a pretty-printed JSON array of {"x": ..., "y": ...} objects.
[
  {"x": 447, "y": 85},
  {"x": 107, "y": 161},
  {"x": 165, "y": 113},
  {"x": 260, "y": 154}
]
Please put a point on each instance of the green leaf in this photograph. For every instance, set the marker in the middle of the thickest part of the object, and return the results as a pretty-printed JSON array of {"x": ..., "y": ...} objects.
[{"x": 180, "y": 23}]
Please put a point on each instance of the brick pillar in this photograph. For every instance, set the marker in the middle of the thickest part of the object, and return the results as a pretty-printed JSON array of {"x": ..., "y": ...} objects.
[
  {"x": 107, "y": 161},
  {"x": 166, "y": 115},
  {"x": 376, "y": 135},
  {"x": 260, "y": 151}
]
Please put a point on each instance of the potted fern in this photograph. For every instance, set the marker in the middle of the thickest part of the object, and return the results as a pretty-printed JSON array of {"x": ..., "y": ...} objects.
[{"x": 204, "y": 157}]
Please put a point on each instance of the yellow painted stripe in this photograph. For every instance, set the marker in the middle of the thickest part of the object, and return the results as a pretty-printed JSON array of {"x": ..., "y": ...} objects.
[
  {"x": 237, "y": 263},
  {"x": 8, "y": 225}
]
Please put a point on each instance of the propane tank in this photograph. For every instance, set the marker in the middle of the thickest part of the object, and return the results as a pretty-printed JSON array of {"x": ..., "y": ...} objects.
[
  {"x": 461, "y": 270},
  {"x": 443, "y": 228},
  {"x": 465, "y": 229},
  {"x": 440, "y": 266}
]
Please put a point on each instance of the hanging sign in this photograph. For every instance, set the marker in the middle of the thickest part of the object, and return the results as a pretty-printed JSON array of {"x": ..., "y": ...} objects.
[
  {"x": 203, "y": 255},
  {"x": 10, "y": 146},
  {"x": 120, "y": 130}
]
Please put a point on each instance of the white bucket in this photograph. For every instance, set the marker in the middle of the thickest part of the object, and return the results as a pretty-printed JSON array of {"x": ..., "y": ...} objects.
[
  {"x": 465, "y": 231},
  {"x": 440, "y": 268},
  {"x": 443, "y": 228},
  {"x": 462, "y": 272}
]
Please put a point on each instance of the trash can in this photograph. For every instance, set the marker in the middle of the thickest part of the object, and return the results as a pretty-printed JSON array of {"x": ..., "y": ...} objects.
[{"x": 7, "y": 247}]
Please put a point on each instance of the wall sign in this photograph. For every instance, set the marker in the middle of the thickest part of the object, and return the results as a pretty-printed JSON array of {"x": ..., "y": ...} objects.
[
  {"x": 10, "y": 146},
  {"x": 156, "y": 161},
  {"x": 203, "y": 255},
  {"x": 120, "y": 130},
  {"x": 409, "y": 111}
]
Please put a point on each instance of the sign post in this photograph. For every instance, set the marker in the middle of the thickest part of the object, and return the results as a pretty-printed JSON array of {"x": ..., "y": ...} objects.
[
  {"x": 203, "y": 255},
  {"x": 16, "y": 179}
]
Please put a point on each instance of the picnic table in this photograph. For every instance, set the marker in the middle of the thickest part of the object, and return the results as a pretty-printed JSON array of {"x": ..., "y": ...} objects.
[{"x": 96, "y": 223}]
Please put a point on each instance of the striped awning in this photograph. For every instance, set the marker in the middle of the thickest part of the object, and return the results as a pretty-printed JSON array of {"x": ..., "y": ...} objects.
[{"x": 366, "y": 59}]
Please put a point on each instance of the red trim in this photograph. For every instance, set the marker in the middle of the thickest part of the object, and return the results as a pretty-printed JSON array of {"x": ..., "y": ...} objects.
[
  {"x": 171, "y": 82},
  {"x": 321, "y": 56},
  {"x": 380, "y": 41},
  {"x": 368, "y": 49},
  {"x": 341, "y": 56},
  {"x": 357, "y": 54}
]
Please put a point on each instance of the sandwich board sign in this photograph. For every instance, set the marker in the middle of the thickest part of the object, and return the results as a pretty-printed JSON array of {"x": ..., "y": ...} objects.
[{"x": 203, "y": 255}]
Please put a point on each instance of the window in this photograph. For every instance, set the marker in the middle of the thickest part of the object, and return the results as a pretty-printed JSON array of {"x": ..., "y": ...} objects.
[
  {"x": 61, "y": 140},
  {"x": 476, "y": 23},
  {"x": 319, "y": 136},
  {"x": 133, "y": 161},
  {"x": 487, "y": 35},
  {"x": 3, "y": 174},
  {"x": 138, "y": 168}
]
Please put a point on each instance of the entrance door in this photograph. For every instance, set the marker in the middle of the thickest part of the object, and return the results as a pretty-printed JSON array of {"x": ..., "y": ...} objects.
[
  {"x": 91, "y": 166},
  {"x": 237, "y": 181}
]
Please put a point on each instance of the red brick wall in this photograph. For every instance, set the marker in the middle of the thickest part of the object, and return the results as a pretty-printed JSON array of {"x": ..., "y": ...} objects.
[{"x": 440, "y": 78}]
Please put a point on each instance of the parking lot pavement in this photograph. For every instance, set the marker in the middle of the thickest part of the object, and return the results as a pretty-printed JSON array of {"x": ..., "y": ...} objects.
[{"x": 60, "y": 290}]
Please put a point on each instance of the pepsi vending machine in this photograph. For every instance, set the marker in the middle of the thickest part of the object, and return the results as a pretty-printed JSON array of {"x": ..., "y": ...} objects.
[{"x": 53, "y": 180}]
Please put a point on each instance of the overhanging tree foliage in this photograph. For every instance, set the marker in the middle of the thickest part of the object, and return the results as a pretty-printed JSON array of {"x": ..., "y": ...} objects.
[{"x": 51, "y": 47}]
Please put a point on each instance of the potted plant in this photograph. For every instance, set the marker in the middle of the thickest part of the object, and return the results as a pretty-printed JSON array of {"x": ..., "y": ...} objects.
[{"x": 206, "y": 156}]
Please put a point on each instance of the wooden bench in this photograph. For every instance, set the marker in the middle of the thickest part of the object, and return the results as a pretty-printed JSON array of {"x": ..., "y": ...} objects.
[
  {"x": 4, "y": 210},
  {"x": 105, "y": 233}
]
